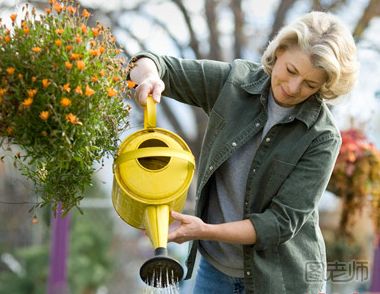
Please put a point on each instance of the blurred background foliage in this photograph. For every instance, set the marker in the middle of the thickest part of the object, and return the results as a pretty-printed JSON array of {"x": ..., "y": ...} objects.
[{"x": 25, "y": 269}]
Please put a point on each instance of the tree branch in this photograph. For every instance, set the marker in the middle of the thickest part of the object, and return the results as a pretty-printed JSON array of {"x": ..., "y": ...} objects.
[
  {"x": 194, "y": 43},
  {"x": 214, "y": 36},
  {"x": 239, "y": 37},
  {"x": 372, "y": 10},
  {"x": 279, "y": 18}
]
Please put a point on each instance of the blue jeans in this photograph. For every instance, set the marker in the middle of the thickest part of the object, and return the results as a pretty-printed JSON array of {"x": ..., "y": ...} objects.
[{"x": 209, "y": 280}]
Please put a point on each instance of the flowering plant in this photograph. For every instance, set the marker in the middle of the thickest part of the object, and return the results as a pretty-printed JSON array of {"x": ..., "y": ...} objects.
[
  {"x": 61, "y": 98},
  {"x": 356, "y": 177}
]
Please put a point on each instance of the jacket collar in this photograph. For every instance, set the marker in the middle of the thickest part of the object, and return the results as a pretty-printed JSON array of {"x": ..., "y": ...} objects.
[{"x": 307, "y": 112}]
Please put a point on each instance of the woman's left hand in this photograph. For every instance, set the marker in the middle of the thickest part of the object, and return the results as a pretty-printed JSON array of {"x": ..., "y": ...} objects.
[{"x": 189, "y": 228}]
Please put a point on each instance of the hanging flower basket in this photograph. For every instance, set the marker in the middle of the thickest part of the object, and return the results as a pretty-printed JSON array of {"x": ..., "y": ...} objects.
[
  {"x": 62, "y": 85},
  {"x": 356, "y": 178}
]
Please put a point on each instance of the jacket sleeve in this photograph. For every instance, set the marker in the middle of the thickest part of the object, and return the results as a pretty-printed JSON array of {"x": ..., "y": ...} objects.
[
  {"x": 299, "y": 194},
  {"x": 194, "y": 82}
]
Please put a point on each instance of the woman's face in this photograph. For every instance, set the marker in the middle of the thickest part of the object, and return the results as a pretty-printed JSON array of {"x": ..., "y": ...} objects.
[{"x": 294, "y": 78}]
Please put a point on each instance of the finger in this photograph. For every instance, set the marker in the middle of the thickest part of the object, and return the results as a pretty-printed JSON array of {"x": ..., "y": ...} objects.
[
  {"x": 157, "y": 90},
  {"x": 142, "y": 91},
  {"x": 178, "y": 216}
]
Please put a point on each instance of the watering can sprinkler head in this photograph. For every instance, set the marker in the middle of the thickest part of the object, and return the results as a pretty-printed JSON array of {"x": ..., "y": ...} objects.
[{"x": 161, "y": 271}]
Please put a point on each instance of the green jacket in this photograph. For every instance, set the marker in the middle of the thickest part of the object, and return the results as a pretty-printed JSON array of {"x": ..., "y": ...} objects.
[{"x": 288, "y": 174}]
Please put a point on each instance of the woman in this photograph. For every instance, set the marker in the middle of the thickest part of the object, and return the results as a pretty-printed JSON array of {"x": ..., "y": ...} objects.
[{"x": 267, "y": 156}]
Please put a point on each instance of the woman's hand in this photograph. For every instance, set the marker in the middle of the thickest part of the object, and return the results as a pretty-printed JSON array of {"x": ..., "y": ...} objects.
[
  {"x": 189, "y": 228},
  {"x": 150, "y": 85},
  {"x": 145, "y": 74},
  {"x": 193, "y": 228}
]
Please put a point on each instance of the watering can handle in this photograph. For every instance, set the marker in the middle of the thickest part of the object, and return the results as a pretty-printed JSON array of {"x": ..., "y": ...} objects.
[
  {"x": 156, "y": 152},
  {"x": 150, "y": 113}
]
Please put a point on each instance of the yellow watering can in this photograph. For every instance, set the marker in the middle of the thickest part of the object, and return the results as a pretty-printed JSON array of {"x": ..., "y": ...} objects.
[{"x": 152, "y": 173}]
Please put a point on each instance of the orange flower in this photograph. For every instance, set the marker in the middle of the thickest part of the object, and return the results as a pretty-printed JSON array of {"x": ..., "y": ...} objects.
[
  {"x": 7, "y": 39},
  {"x": 36, "y": 49},
  {"x": 26, "y": 29},
  {"x": 27, "y": 102},
  {"x": 95, "y": 31},
  {"x": 10, "y": 131},
  {"x": 131, "y": 84},
  {"x": 65, "y": 102},
  {"x": 34, "y": 79},
  {"x": 86, "y": 13},
  {"x": 78, "y": 90},
  {"x": 57, "y": 7},
  {"x": 66, "y": 87},
  {"x": 44, "y": 115},
  {"x": 68, "y": 65},
  {"x": 48, "y": 11},
  {"x": 83, "y": 28},
  {"x": 111, "y": 92},
  {"x": 102, "y": 73},
  {"x": 59, "y": 31},
  {"x": 94, "y": 52},
  {"x": 3, "y": 91},
  {"x": 94, "y": 79},
  {"x": 45, "y": 83},
  {"x": 116, "y": 78},
  {"x": 13, "y": 17},
  {"x": 10, "y": 70},
  {"x": 80, "y": 65},
  {"x": 75, "y": 56},
  {"x": 31, "y": 93},
  {"x": 89, "y": 92},
  {"x": 73, "y": 119},
  {"x": 71, "y": 9},
  {"x": 101, "y": 49},
  {"x": 69, "y": 48},
  {"x": 58, "y": 43},
  {"x": 78, "y": 39}
]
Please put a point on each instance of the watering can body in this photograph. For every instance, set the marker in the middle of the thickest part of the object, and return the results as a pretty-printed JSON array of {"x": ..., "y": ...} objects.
[{"x": 152, "y": 173}]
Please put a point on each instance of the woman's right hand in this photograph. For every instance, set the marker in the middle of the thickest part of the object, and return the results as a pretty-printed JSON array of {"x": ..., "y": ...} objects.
[
  {"x": 150, "y": 85},
  {"x": 145, "y": 75}
]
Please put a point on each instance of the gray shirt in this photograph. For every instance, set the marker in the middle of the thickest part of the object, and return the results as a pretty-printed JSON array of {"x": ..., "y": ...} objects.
[{"x": 226, "y": 201}]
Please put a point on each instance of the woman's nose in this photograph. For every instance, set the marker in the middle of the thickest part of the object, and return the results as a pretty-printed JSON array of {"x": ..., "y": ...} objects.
[{"x": 294, "y": 86}]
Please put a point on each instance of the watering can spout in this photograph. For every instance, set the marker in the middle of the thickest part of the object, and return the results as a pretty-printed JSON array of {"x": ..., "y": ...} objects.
[
  {"x": 157, "y": 224},
  {"x": 162, "y": 270}
]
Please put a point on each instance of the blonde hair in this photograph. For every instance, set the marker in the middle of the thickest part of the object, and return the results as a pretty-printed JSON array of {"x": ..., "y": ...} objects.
[{"x": 329, "y": 44}]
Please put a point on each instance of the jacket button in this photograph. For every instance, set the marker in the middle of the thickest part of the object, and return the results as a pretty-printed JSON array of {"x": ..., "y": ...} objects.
[
  {"x": 233, "y": 144},
  {"x": 254, "y": 170},
  {"x": 290, "y": 117},
  {"x": 257, "y": 125},
  {"x": 248, "y": 273},
  {"x": 211, "y": 167},
  {"x": 267, "y": 140},
  {"x": 246, "y": 203}
]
